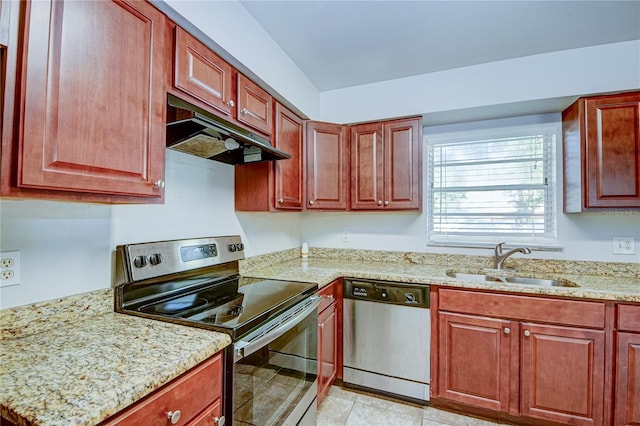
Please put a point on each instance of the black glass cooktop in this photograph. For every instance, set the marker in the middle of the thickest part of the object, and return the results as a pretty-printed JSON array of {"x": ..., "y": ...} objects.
[{"x": 234, "y": 306}]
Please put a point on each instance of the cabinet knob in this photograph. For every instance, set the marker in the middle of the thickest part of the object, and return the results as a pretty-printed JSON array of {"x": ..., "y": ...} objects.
[
  {"x": 379, "y": 202},
  {"x": 310, "y": 202},
  {"x": 159, "y": 184},
  {"x": 329, "y": 296},
  {"x": 219, "y": 421},
  {"x": 321, "y": 325},
  {"x": 231, "y": 104},
  {"x": 507, "y": 330},
  {"x": 527, "y": 333},
  {"x": 244, "y": 111},
  {"x": 174, "y": 416},
  {"x": 386, "y": 203},
  {"x": 281, "y": 200}
]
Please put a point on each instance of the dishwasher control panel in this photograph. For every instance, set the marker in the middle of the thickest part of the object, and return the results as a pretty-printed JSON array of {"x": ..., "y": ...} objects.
[{"x": 387, "y": 292}]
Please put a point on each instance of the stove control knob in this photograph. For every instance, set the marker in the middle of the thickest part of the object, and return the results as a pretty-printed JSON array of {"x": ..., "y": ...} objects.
[
  {"x": 240, "y": 247},
  {"x": 232, "y": 248},
  {"x": 155, "y": 259},
  {"x": 140, "y": 261},
  {"x": 174, "y": 416}
]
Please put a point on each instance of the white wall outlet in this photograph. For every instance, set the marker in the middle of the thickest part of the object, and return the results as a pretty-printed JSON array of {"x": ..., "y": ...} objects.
[
  {"x": 345, "y": 236},
  {"x": 624, "y": 245},
  {"x": 9, "y": 268}
]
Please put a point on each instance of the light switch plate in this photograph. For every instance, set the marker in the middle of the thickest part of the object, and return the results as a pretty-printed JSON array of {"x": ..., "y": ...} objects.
[{"x": 624, "y": 245}]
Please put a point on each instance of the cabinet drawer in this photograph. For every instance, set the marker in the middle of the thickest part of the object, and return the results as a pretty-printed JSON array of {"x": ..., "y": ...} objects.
[
  {"x": 566, "y": 312},
  {"x": 628, "y": 317},
  {"x": 190, "y": 393},
  {"x": 330, "y": 294}
]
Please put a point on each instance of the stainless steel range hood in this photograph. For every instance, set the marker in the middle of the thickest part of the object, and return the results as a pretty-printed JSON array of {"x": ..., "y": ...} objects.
[{"x": 198, "y": 132}]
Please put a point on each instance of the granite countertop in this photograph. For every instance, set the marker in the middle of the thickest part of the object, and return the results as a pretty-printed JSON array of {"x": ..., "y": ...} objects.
[
  {"x": 75, "y": 361},
  {"x": 324, "y": 270}
]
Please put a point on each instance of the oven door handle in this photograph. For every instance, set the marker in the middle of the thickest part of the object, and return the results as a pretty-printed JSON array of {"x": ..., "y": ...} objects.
[{"x": 244, "y": 348}]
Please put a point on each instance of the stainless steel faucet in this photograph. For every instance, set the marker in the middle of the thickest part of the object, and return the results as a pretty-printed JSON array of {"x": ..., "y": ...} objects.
[{"x": 500, "y": 257}]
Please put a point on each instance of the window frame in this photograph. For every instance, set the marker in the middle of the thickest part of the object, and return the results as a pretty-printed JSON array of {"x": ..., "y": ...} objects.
[{"x": 548, "y": 242}]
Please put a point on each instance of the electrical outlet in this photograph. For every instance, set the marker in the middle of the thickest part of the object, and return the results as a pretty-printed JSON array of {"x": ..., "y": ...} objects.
[
  {"x": 624, "y": 245},
  {"x": 9, "y": 268},
  {"x": 345, "y": 236}
]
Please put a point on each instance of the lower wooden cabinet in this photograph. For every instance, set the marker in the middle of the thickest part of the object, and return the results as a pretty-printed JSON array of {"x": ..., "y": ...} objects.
[
  {"x": 562, "y": 374},
  {"x": 196, "y": 395},
  {"x": 627, "y": 382},
  {"x": 492, "y": 356},
  {"x": 329, "y": 337}
]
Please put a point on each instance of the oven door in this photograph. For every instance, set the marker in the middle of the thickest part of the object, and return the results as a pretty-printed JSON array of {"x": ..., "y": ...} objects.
[{"x": 275, "y": 370}]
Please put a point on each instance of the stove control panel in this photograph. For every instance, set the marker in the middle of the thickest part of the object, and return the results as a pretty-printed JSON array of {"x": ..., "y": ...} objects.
[{"x": 137, "y": 262}]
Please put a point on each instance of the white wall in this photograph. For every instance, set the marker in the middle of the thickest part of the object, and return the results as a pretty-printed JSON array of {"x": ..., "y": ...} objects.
[
  {"x": 582, "y": 236},
  {"x": 67, "y": 248},
  {"x": 576, "y": 72}
]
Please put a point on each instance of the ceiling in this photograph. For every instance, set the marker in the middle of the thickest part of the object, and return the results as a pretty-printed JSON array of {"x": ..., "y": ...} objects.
[{"x": 340, "y": 44}]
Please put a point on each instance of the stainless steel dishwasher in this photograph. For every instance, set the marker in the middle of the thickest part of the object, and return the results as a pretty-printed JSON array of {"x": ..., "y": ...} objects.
[{"x": 387, "y": 335}]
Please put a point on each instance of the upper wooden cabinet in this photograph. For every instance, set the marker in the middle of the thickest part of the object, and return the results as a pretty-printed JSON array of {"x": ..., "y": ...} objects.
[
  {"x": 385, "y": 165},
  {"x": 602, "y": 153},
  {"x": 91, "y": 91},
  {"x": 327, "y": 166},
  {"x": 204, "y": 75},
  {"x": 275, "y": 185},
  {"x": 201, "y": 73},
  {"x": 255, "y": 105}
]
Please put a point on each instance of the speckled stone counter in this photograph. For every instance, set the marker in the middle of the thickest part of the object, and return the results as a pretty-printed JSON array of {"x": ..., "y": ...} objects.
[
  {"x": 407, "y": 268},
  {"x": 69, "y": 362}
]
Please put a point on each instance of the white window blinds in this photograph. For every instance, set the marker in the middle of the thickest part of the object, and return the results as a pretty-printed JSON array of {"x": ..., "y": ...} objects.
[{"x": 493, "y": 189}]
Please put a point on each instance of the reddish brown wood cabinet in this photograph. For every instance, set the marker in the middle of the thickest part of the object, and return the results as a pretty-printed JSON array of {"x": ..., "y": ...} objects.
[
  {"x": 601, "y": 138},
  {"x": 327, "y": 166},
  {"x": 212, "y": 82},
  {"x": 198, "y": 71},
  {"x": 515, "y": 355},
  {"x": 474, "y": 354},
  {"x": 91, "y": 92},
  {"x": 385, "y": 165},
  {"x": 275, "y": 185},
  {"x": 627, "y": 397},
  {"x": 197, "y": 395},
  {"x": 329, "y": 337}
]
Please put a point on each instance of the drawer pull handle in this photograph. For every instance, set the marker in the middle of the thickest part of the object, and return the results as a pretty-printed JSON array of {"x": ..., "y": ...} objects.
[
  {"x": 507, "y": 330},
  {"x": 219, "y": 421},
  {"x": 527, "y": 333},
  {"x": 174, "y": 416}
]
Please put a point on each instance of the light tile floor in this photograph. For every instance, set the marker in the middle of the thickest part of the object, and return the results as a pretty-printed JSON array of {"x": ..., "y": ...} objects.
[{"x": 343, "y": 407}]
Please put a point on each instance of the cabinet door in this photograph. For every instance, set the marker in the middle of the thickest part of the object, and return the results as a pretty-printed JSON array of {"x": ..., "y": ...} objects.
[
  {"x": 255, "y": 105},
  {"x": 613, "y": 151},
  {"x": 402, "y": 177},
  {"x": 367, "y": 166},
  {"x": 562, "y": 374},
  {"x": 627, "y": 400},
  {"x": 327, "y": 166},
  {"x": 474, "y": 360},
  {"x": 94, "y": 98},
  {"x": 289, "y": 137},
  {"x": 327, "y": 350},
  {"x": 202, "y": 74}
]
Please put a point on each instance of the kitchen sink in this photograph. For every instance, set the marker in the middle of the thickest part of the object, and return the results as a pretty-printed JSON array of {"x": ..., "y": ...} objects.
[{"x": 542, "y": 282}]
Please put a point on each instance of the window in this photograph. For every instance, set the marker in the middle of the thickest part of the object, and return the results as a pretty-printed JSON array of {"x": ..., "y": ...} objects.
[{"x": 493, "y": 186}]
